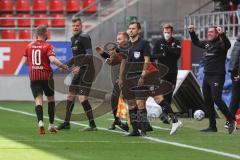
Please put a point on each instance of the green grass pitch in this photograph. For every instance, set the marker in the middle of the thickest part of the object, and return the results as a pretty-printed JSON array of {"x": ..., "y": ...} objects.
[{"x": 19, "y": 140}]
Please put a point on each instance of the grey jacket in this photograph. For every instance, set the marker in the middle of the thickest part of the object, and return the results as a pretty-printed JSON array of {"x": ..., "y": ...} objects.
[{"x": 234, "y": 65}]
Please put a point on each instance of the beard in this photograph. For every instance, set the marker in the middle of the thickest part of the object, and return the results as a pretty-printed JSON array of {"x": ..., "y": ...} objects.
[
  {"x": 133, "y": 35},
  {"x": 76, "y": 32}
]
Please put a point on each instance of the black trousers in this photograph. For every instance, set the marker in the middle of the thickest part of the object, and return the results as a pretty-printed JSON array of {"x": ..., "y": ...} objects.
[
  {"x": 114, "y": 100},
  {"x": 235, "y": 98},
  {"x": 172, "y": 78},
  {"x": 212, "y": 92}
]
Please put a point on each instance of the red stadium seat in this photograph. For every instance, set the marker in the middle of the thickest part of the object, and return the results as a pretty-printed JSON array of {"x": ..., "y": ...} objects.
[
  {"x": 57, "y": 22},
  {"x": 7, "y": 22},
  {"x": 41, "y": 21},
  {"x": 24, "y": 34},
  {"x": 86, "y": 3},
  {"x": 48, "y": 34},
  {"x": 72, "y": 6},
  {"x": 39, "y": 6},
  {"x": 56, "y": 6},
  {"x": 6, "y": 5},
  {"x": 24, "y": 22},
  {"x": 23, "y": 6},
  {"x": 8, "y": 34}
]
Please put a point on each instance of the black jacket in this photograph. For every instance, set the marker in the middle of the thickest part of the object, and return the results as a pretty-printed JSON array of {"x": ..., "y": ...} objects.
[
  {"x": 167, "y": 53},
  {"x": 115, "y": 64},
  {"x": 81, "y": 49},
  {"x": 215, "y": 53},
  {"x": 234, "y": 64}
]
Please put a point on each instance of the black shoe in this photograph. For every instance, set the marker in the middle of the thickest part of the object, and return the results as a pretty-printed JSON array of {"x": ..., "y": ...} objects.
[
  {"x": 64, "y": 125},
  {"x": 210, "y": 129},
  {"x": 91, "y": 128},
  {"x": 231, "y": 127},
  {"x": 134, "y": 134},
  {"x": 164, "y": 118},
  {"x": 113, "y": 127},
  {"x": 144, "y": 134},
  {"x": 149, "y": 128},
  {"x": 124, "y": 126}
]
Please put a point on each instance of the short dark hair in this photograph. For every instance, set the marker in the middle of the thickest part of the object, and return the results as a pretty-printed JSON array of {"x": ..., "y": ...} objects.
[
  {"x": 214, "y": 27},
  {"x": 75, "y": 19},
  {"x": 124, "y": 34},
  {"x": 41, "y": 30},
  {"x": 137, "y": 23},
  {"x": 168, "y": 26}
]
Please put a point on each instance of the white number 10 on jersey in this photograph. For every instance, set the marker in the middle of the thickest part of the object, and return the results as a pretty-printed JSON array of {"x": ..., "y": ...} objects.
[{"x": 36, "y": 57}]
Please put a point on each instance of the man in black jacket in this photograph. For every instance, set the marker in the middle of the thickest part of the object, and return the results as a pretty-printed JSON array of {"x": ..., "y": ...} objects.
[
  {"x": 234, "y": 68},
  {"x": 215, "y": 51},
  {"x": 167, "y": 50},
  {"x": 114, "y": 59},
  {"x": 84, "y": 76}
]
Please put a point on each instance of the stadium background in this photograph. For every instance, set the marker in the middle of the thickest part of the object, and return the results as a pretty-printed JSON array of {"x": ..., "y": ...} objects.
[{"x": 102, "y": 20}]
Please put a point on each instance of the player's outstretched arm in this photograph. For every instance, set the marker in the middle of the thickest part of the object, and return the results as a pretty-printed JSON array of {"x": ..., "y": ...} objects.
[{"x": 55, "y": 61}]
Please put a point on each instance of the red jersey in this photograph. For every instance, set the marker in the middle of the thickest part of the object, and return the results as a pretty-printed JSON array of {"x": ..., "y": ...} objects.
[{"x": 37, "y": 54}]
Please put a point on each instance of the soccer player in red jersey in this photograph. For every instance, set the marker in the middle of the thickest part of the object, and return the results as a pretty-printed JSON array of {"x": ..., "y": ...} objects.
[{"x": 38, "y": 55}]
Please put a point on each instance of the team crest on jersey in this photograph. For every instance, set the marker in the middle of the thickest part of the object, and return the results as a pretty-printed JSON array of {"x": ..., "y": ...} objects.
[
  {"x": 136, "y": 55},
  {"x": 75, "y": 42}
]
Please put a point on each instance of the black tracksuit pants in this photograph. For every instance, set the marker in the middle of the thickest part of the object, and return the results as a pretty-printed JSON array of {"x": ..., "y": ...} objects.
[
  {"x": 212, "y": 92},
  {"x": 235, "y": 98},
  {"x": 172, "y": 78},
  {"x": 114, "y": 100}
]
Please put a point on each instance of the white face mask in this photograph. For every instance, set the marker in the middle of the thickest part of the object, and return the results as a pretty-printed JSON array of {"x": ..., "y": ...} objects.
[{"x": 167, "y": 36}]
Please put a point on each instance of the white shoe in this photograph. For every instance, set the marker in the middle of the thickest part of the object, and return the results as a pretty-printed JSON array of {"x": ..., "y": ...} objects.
[
  {"x": 175, "y": 127},
  {"x": 52, "y": 129},
  {"x": 40, "y": 124}
]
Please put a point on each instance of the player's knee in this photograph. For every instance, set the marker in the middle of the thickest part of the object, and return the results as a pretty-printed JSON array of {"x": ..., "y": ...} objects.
[
  {"x": 141, "y": 104},
  {"x": 70, "y": 96},
  {"x": 39, "y": 100},
  {"x": 51, "y": 99},
  {"x": 158, "y": 99},
  {"x": 82, "y": 98}
]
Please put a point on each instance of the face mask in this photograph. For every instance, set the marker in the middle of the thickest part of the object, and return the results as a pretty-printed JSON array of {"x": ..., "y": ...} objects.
[{"x": 167, "y": 36}]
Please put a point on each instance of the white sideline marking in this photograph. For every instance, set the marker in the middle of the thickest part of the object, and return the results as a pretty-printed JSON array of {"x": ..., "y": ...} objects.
[
  {"x": 71, "y": 141},
  {"x": 157, "y": 127},
  {"x": 235, "y": 156}
]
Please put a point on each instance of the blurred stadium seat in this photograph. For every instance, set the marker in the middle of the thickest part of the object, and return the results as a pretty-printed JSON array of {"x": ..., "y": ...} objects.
[
  {"x": 22, "y": 13},
  {"x": 24, "y": 22},
  {"x": 8, "y": 34},
  {"x": 57, "y": 22},
  {"x": 23, "y": 6},
  {"x": 24, "y": 34},
  {"x": 39, "y": 6},
  {"x": 49, "y": 34},
  {"x": 40, "y": 20},
  {"x": 56, "y": 6},
  {"x": 72, "y": 6},
  {"x": 86, "y": 3},
  {"x": 7, "y": 22},
  {"x": 6, "y": 5}
]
